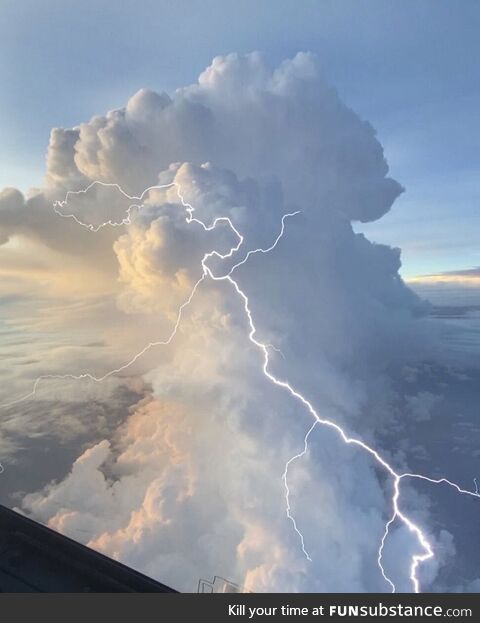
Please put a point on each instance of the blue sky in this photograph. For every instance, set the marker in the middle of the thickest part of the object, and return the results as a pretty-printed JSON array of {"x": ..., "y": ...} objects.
[{"x": 410, "y": 68}]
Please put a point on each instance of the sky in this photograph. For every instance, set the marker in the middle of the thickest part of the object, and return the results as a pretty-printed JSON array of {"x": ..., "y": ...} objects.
[
  {"x": 410, "y": 68},
  {"x": 225, "y": 373}
]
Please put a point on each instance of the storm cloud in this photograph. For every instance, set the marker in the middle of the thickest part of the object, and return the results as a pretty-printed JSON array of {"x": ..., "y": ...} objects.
[{"x": 189, "y": 483}]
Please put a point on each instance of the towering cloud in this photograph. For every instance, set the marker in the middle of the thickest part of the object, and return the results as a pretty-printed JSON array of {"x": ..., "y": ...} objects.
[{"x": 190, "y": 484}]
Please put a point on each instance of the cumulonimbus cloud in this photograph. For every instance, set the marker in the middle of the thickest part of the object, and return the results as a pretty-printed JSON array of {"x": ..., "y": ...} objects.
[{"x": 190, "y": 484}]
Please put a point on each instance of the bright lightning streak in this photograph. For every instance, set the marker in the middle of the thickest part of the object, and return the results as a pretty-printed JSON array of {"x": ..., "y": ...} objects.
[
  {"x": 416, "y": 559},
  {"x": 380, "y": 550},
  {"x": 287, "y": 489}
]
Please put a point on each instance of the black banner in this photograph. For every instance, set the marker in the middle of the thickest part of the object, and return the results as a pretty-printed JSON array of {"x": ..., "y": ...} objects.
[{"x": 242, "y": 608}]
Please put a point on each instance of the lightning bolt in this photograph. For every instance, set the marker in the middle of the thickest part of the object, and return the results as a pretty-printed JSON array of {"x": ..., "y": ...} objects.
[
  {"x": 263, "y": 348},
  {"x": 287, "y": 489}
]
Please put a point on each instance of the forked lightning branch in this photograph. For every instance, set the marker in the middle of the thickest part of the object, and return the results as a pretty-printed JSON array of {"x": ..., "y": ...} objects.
[{"x": 396, "y": 514}]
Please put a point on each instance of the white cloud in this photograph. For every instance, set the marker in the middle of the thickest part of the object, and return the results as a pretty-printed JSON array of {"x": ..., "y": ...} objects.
[{"x": 191, "y": 485}]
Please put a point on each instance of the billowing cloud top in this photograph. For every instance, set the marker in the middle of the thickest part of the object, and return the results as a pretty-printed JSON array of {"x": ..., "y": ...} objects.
[{"x": 287, "y": 124}]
